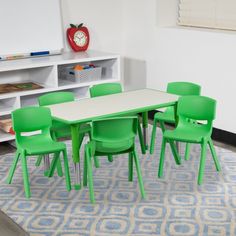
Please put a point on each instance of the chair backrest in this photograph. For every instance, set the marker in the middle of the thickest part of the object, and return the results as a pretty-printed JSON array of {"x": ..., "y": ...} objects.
[
  {"x": 105, "y": 89},
  {"x": 114, "y": 129},
  {"x": 55, "y": 98},
  {"x": 28, "y": 119},
  {"x": 196, "y": 108},
  {"x": 183, "y": 88}
]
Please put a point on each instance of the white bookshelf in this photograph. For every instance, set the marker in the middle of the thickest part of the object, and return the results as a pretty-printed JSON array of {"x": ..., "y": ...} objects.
[{"x": 45, "y": 72}]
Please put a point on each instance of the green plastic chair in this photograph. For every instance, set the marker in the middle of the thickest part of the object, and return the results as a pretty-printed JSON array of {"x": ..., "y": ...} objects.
[
  {"x": 168, "y": 116},
  {"x": 30, "y": 119},
  {"x": 112, "y": 136},
  {"x": 105, "y": 89},
  {"x": 59, "y": 129},
  {"x": 113, "y": 88},
  {"x": 193, "y": 108}
]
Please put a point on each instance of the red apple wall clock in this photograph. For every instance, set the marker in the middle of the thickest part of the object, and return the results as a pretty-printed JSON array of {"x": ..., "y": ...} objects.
[{"x": 78, "y": 37}]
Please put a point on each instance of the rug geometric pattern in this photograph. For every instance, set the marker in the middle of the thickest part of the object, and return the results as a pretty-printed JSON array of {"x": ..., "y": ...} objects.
[{"x": 174, "y": 206}]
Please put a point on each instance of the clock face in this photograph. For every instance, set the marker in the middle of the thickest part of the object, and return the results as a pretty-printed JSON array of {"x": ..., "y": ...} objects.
[{"x": 80, "y": 38}]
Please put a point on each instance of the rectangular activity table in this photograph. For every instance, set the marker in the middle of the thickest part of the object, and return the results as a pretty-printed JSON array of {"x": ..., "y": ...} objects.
[{"x": 85, "y": 110}]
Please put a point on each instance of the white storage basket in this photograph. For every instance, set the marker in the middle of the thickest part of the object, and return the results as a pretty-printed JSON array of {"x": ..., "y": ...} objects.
[{"x": 86, "y": 75}]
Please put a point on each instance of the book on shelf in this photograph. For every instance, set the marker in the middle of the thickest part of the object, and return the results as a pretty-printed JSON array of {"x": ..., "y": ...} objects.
[
  {"x": 6, "y": 126},
  {"x": 17, "y": 87}
]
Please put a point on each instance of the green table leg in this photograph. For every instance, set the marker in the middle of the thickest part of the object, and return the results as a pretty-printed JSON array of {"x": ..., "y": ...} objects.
[
  {"x": 75, "y": 155},
  {"x": 46, "y": 164},
  {"x": 145, "y": 128}
]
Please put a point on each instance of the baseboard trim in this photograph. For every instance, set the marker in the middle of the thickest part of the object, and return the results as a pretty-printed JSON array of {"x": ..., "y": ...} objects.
[{"x": 217, "y": 134}]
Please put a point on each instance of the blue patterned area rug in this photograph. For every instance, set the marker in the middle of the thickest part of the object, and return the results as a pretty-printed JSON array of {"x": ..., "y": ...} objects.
[{"x": 175, "y": 205}]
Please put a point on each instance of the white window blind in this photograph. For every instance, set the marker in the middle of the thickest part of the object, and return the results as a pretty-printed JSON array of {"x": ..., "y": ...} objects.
[{"x": 220, "y": 14}]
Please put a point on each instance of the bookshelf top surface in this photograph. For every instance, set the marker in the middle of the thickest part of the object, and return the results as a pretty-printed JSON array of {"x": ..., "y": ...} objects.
[{"x": 64, "y": 58}]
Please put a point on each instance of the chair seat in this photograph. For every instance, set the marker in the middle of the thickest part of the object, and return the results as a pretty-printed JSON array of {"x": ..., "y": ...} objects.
[
  {"x": 38, "y": 144},
  {"x": 114, "y": 147},
  {"x": 165, "y": 116},
  {"x": 62, "y": 130},
  {"x": 193, "y": 133}
]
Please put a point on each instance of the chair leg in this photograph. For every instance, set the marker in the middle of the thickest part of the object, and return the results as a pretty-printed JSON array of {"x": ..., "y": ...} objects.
[
  {"x": 58, "y": 165},
  {"x": 213, "y": 152},
  {"x": 46, "y": 164},
  {"x": 140, "y": 178},
  {"x": 13, "y": 168},
  {"x": 81, "y": 138},
  {"x": 175, "y": 152},
  {"x": 202, "y": 163},
  {"x": 67, "y": 171},
  {"x": 110, "y": 158},
  {"x": 162, "y": 125},
  {"x": 90, "y": 176},
  {"x": 130, "y": 167},
  {"x": 39, "y": 160},
  {"x": 25, "y": 176},
  {"x": 178, "y": 147},
  {"x": 153, "y": 137},
  {"x": 96, "y": 161},
  {"x": 162, "y": 157},
  {"x": 85, "y": 172},
  {"x": 54, "y": 164},
  {"x": 141, "y": 139},
  {"x": 187, "y": 151},
  {"x": 59, "y": 168}
]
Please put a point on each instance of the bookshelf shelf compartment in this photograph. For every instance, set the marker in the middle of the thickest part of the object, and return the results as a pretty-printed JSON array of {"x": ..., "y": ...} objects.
[
  {"x": 7, "y": 105},
  {"x": 6, "y": 137}
]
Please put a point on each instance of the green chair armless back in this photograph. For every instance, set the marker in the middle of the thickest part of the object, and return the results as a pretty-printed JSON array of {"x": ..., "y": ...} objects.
[
  {"x": 121, "y": 138},
  {"x": 183, "y": 88},
  {"x": 105, "y": 89},
  {"x": 55, "y": 98},
  {"x": 197, "y": 108},
  {"x": 113, "y": 88},
  {"x": 42, "y": 116}
]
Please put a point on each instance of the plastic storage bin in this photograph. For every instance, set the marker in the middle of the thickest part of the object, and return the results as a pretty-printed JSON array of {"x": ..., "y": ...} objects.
[{"x": 79, "y": 76}]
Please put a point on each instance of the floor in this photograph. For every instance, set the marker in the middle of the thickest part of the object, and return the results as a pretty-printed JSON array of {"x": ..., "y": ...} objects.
[
  {"x": 7, "y": 226},
  {"x": 175, "y": 205}
]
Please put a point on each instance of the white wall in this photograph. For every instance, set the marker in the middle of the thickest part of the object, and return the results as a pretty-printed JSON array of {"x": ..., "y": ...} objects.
[
  {"x": 175, "y": 54},
  {"x": 135, "y": 43},
  {"x": 156, "y": 53},
  {"x": 103, "y": 19},
  {"x": 206, "y": 58}
]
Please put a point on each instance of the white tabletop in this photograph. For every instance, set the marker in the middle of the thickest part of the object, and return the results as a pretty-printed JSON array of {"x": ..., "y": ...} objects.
[{"x": 116, "y": 104}]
